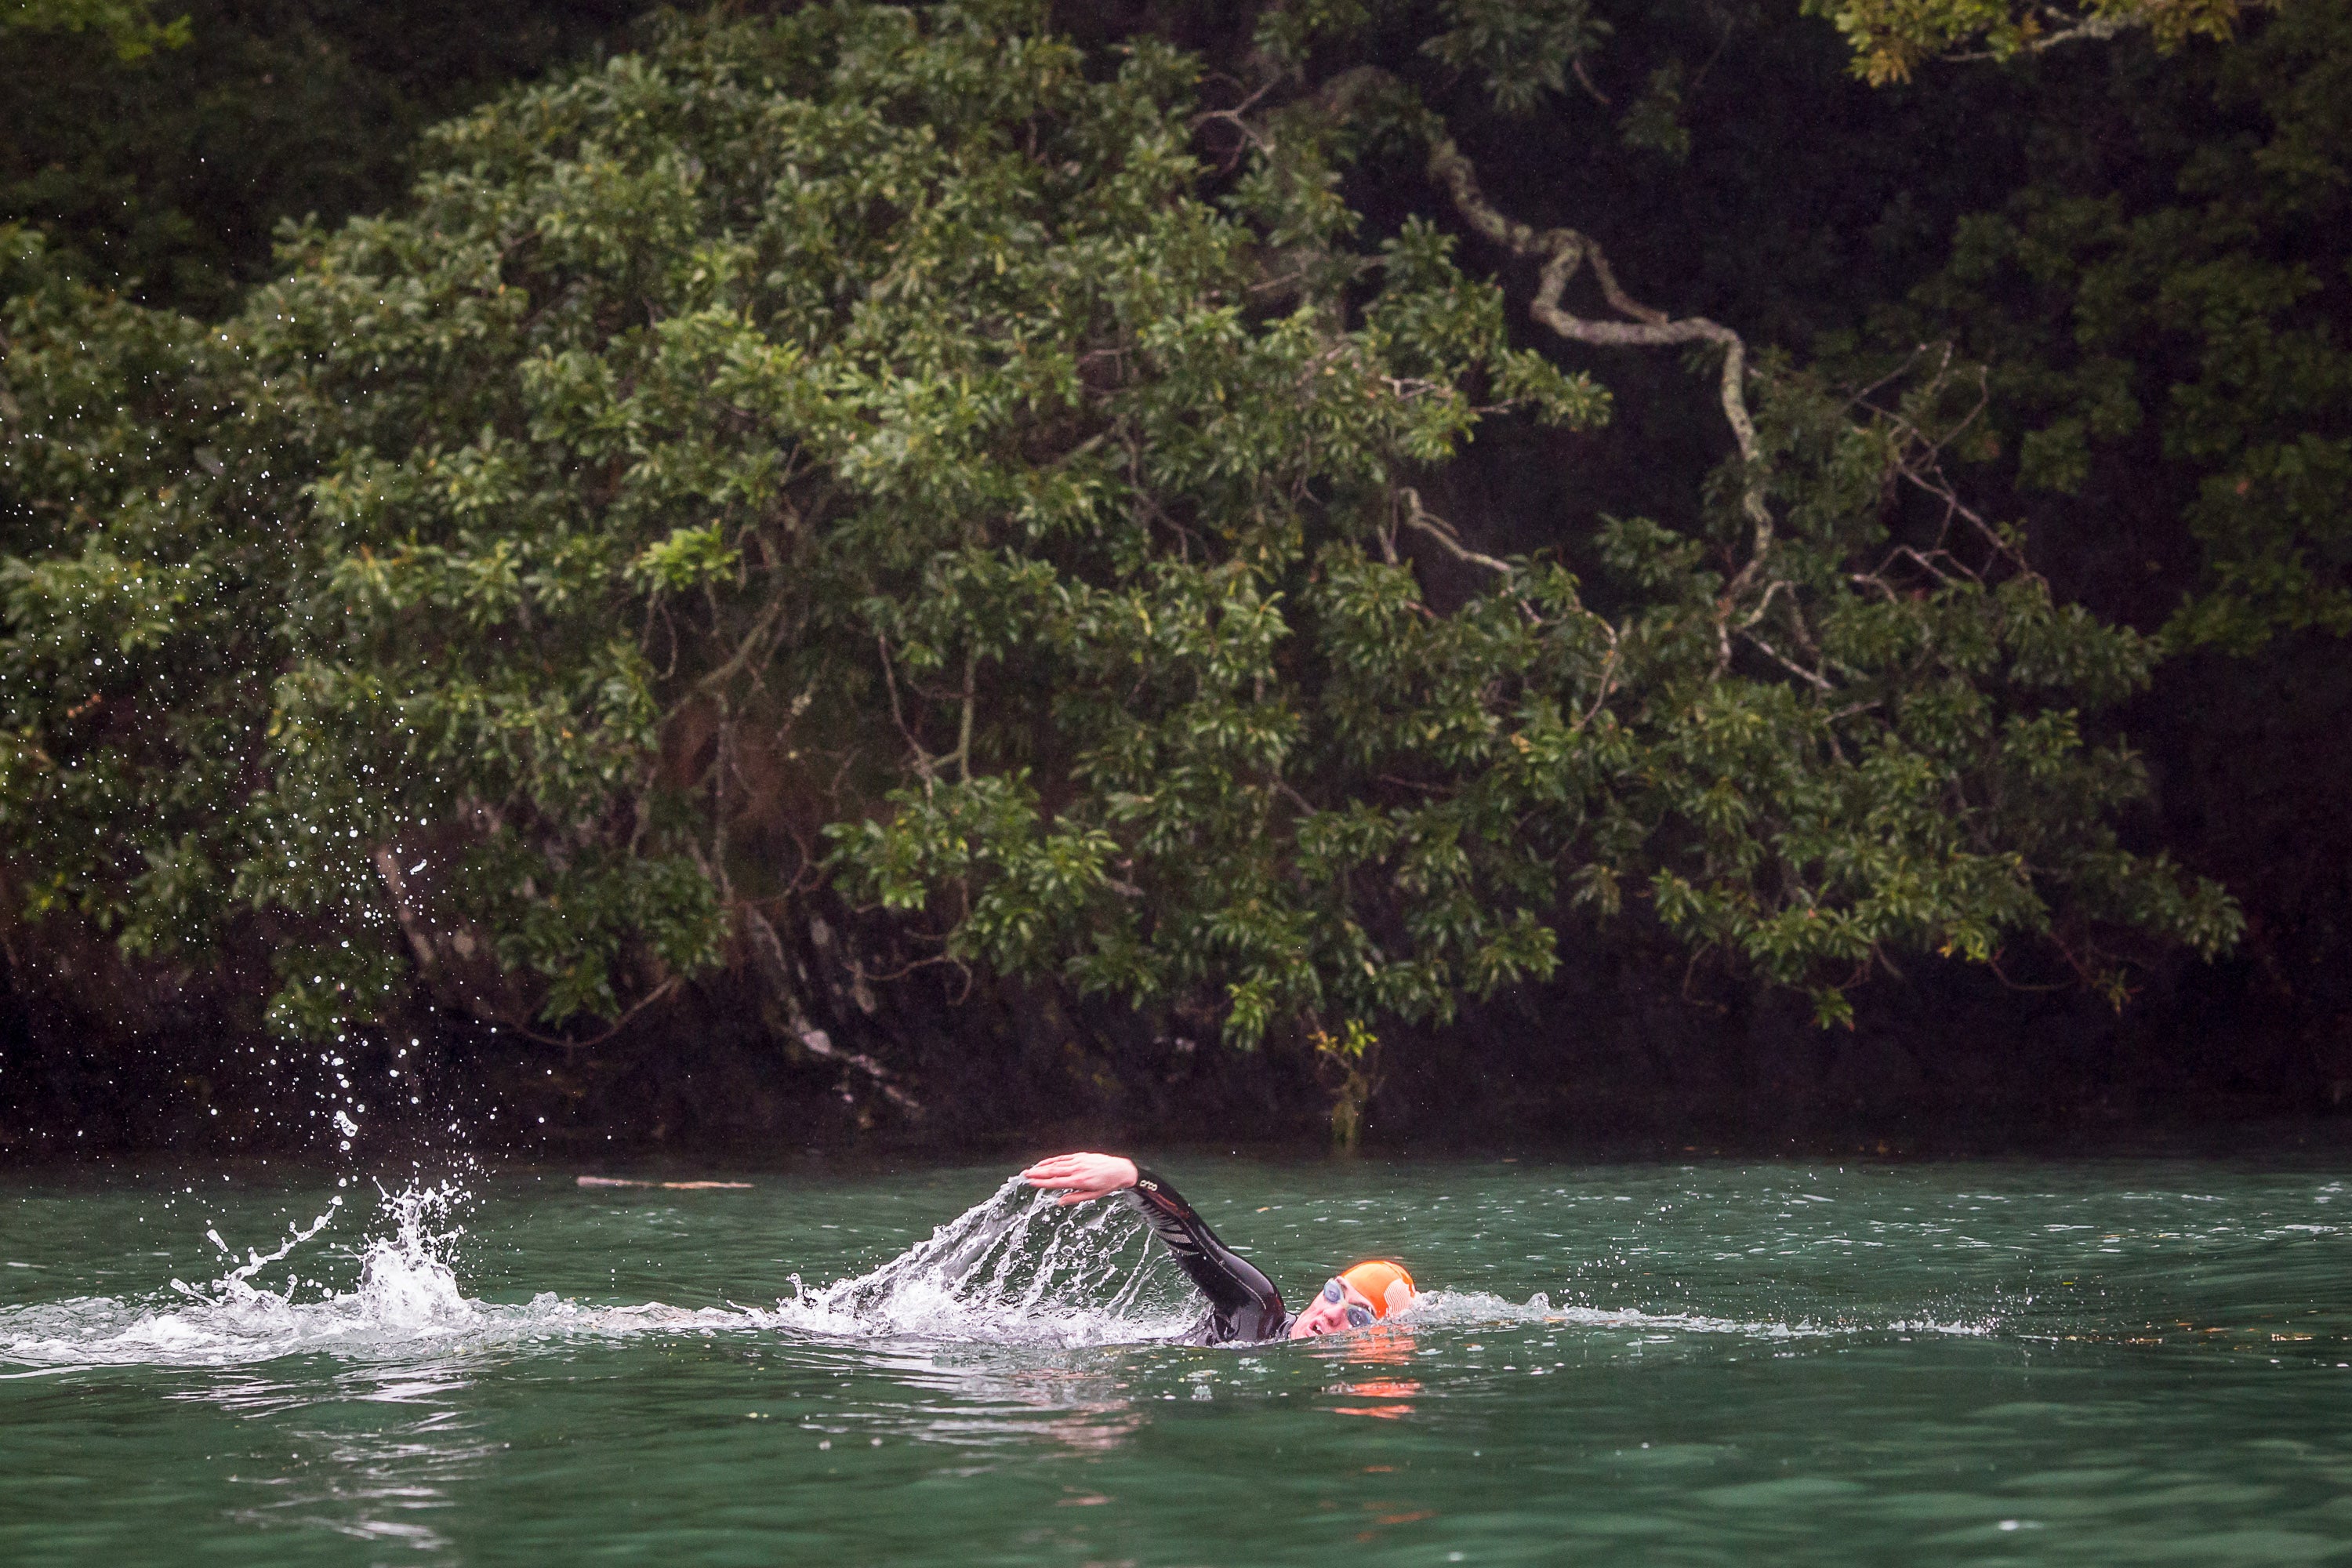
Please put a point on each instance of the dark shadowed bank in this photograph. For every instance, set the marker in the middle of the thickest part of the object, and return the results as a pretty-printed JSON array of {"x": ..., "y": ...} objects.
[{"x": 1613, "y": 1058}]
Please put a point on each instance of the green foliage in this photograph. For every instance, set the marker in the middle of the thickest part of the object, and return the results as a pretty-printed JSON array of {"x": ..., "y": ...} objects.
[
  {"x": 893, "y": 422},
  {"x": 166, "y": 174},
  {"x": 1922, "y": 782},
  {"x": 1891, "y": 39},
  {"x": 2201, "y": 329},
  {"x": 1519, "y": 49},
  {"x": 1655, "y": 118},
  {"x": 128, "y": 26},
  {"x": 133, "y": 660}
]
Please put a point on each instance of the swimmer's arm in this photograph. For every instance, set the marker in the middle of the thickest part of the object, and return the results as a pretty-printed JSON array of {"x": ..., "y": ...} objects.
[{"x": 1231, "y": 1282}]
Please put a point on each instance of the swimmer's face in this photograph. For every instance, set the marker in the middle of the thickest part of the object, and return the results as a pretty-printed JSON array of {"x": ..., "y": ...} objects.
[{"x": 1324, "y": 1316}]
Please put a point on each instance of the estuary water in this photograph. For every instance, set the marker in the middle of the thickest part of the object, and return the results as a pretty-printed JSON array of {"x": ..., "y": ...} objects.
[{"x": 2095, "y": 1361}]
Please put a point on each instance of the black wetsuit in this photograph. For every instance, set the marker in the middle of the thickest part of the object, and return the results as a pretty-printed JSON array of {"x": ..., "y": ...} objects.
[{"x": 1242, "y": 1303}]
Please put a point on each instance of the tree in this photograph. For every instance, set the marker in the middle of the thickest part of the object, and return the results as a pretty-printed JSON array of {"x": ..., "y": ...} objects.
[{"x": 906, "y": 457}]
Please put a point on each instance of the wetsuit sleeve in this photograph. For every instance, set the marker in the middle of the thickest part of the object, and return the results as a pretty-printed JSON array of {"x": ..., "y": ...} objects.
[{"x": 1243, "y": 1302}]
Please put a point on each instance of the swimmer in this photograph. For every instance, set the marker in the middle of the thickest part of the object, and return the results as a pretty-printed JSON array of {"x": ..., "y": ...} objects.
[{"x": 1244, "y": 1305}]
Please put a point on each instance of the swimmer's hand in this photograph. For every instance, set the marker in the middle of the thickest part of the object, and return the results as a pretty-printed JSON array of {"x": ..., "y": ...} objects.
[{"x": 1081, "y": 1177}]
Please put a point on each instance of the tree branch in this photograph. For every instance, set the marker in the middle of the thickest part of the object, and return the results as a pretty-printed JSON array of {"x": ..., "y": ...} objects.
[
  {"x": 1419, "y": 517},
  {"x": 659, "y": 993},
  {"x": 1562, "y": 251},
  {"x": 815, "y": 1041}
]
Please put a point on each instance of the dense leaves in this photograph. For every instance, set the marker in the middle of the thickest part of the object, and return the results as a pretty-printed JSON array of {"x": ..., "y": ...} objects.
[
  {"x": 2196, "y": 328},
  {"x": 913, "y": 456}
]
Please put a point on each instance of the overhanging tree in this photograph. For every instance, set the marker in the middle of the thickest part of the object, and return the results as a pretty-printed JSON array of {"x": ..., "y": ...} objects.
[{"x": 901, "y": 458}]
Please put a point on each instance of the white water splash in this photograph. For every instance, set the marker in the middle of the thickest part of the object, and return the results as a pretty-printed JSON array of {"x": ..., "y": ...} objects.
[
  {"x": 1015, "y": 1269},
  {"x": 406, "y": 1294}
]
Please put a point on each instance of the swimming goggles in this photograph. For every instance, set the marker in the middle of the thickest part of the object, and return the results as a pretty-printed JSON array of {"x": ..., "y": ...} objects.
[{"x": 1359, "y": 1315}]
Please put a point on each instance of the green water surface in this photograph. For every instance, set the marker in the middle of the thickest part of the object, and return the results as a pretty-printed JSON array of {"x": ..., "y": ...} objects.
[{"x": 2099, "y": 1362}]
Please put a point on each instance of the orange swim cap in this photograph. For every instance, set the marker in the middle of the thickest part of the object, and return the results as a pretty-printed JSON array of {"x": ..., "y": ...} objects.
[{"x": 1384, "y": 1284}]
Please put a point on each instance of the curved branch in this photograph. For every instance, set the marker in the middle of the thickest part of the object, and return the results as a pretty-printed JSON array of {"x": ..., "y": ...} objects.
[
  {"x": 1421, "y": 519},
  {"x": 659, "y": 993},
  {"x": 1562, "y": 251},
  {"x": 2098, "y": 29}
]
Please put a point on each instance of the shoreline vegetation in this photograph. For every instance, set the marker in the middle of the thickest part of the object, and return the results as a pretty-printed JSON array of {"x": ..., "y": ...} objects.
[
  {"x": 2197, "y": 1135},
  {"x": 1323, "y": 573}
]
